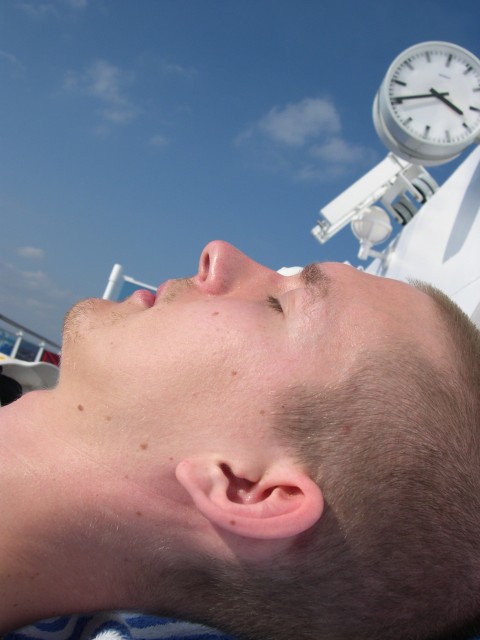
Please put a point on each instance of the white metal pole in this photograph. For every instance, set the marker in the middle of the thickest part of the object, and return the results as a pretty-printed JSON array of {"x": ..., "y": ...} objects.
[
  {"x": 113, "y": 280},
  {"x": 17, "y": 344}
]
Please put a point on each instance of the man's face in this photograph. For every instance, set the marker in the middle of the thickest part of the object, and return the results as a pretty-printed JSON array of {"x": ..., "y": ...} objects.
[{"x": 206, "y": 356}]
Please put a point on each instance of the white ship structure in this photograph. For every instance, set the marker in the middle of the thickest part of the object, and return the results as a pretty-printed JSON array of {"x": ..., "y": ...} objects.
[{"x": 439, "y": 237}]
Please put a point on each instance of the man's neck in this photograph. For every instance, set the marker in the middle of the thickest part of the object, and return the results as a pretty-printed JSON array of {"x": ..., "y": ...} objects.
[{"x": 55, "y": 552}]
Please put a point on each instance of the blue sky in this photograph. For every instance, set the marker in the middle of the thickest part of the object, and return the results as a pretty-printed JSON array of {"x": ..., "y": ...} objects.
[{"x": 135, "y": 131}]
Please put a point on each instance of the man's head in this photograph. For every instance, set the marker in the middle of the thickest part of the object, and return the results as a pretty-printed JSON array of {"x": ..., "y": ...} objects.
[{"x": 306, "y": 425}]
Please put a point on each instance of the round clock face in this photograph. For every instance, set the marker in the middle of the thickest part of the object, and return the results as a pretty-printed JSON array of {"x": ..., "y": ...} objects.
[{"x": 428, "y": 106}]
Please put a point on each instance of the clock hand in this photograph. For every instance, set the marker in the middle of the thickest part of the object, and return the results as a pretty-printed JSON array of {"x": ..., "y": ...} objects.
[
  {"x": 441, "y": 96},
  {"x": 400, "y": 99}
]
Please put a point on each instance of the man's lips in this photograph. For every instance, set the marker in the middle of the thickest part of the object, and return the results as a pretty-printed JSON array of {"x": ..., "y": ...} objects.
[
  {"x": 148, "y": 298},
  {"x": 144, "y": 296}
]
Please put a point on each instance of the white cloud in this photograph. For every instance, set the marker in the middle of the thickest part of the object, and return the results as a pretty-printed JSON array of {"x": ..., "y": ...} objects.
[
  {"x": 31, "y": 252},
  {"x": 315, "y": 172},
  {"x": 38, "y": 9},
  {"x": 24, "y": 281},
  {"x": 76, "y": 4},
  {"x": 297, "y": 124},
  {"x": 158, "y": 141},
  {"x": 19, "y": 281},
  {"x": 119, "y": 114},
  {"x": 33, "y": 299},
  {"x": 175, "y": 69},
  {"x": 105, "y": 82},
  {"x": 338, "y": 151},
  {"x": 304, "y": 140},
  {"x": 333, "y": 159},
  {"x": 12, "y": 60}
]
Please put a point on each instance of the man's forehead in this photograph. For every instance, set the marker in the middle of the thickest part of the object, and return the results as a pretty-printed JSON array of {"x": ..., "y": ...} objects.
[
  {"x": 323, "y": 278},
  {"x": 345, "y": 286}
]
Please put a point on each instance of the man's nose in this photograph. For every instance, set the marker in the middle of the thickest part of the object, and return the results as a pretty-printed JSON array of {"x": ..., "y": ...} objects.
[{"x": 223, "y": 268}]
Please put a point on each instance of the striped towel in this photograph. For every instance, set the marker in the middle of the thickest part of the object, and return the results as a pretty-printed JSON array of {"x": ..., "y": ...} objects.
[
  {"x": 118, "y": 626},
  {"x": 115, "y": 626}
]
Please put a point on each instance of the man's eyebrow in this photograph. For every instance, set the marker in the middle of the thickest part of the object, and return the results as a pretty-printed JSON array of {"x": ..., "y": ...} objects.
[{"x": 315, "y": 279}]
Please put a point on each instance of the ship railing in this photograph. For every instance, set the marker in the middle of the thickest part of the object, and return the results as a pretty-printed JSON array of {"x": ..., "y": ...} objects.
[{"x": 21, "y": 343}]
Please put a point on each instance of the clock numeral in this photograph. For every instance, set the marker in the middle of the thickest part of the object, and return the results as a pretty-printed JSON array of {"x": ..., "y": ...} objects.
[
  {"x": 409, "y": 65},
  {"x": 426, "y": 132},
  {"x": 469, "y": 68},
  {"x": 427, "y": 55},
  {"x": 464, "y": 124},
  {"x": 477, "y": 89},
  {"x": 449, "y": 59},
  {"x": 474, "y": 108},
  {"x": 402, "y": 84},
  {"x": 447, "y": 135},
  {"x": 407, "y": 121}
]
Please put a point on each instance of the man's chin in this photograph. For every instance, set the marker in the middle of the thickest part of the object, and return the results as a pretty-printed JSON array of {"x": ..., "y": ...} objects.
[{"x": 81, "y": 317}]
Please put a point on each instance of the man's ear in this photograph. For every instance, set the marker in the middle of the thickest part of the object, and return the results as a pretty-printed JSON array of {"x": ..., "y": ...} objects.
[{"x": 281, "y": 502}]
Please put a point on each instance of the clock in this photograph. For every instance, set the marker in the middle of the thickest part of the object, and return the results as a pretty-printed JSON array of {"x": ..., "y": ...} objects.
[{"x": 427, "y": 109}]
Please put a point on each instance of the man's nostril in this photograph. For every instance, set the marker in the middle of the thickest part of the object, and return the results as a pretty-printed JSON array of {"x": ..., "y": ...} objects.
[{"x": 206, "y": 264}]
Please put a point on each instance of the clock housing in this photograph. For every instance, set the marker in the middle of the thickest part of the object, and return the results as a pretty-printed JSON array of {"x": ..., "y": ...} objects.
[{"x": 427, "y": 109}]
